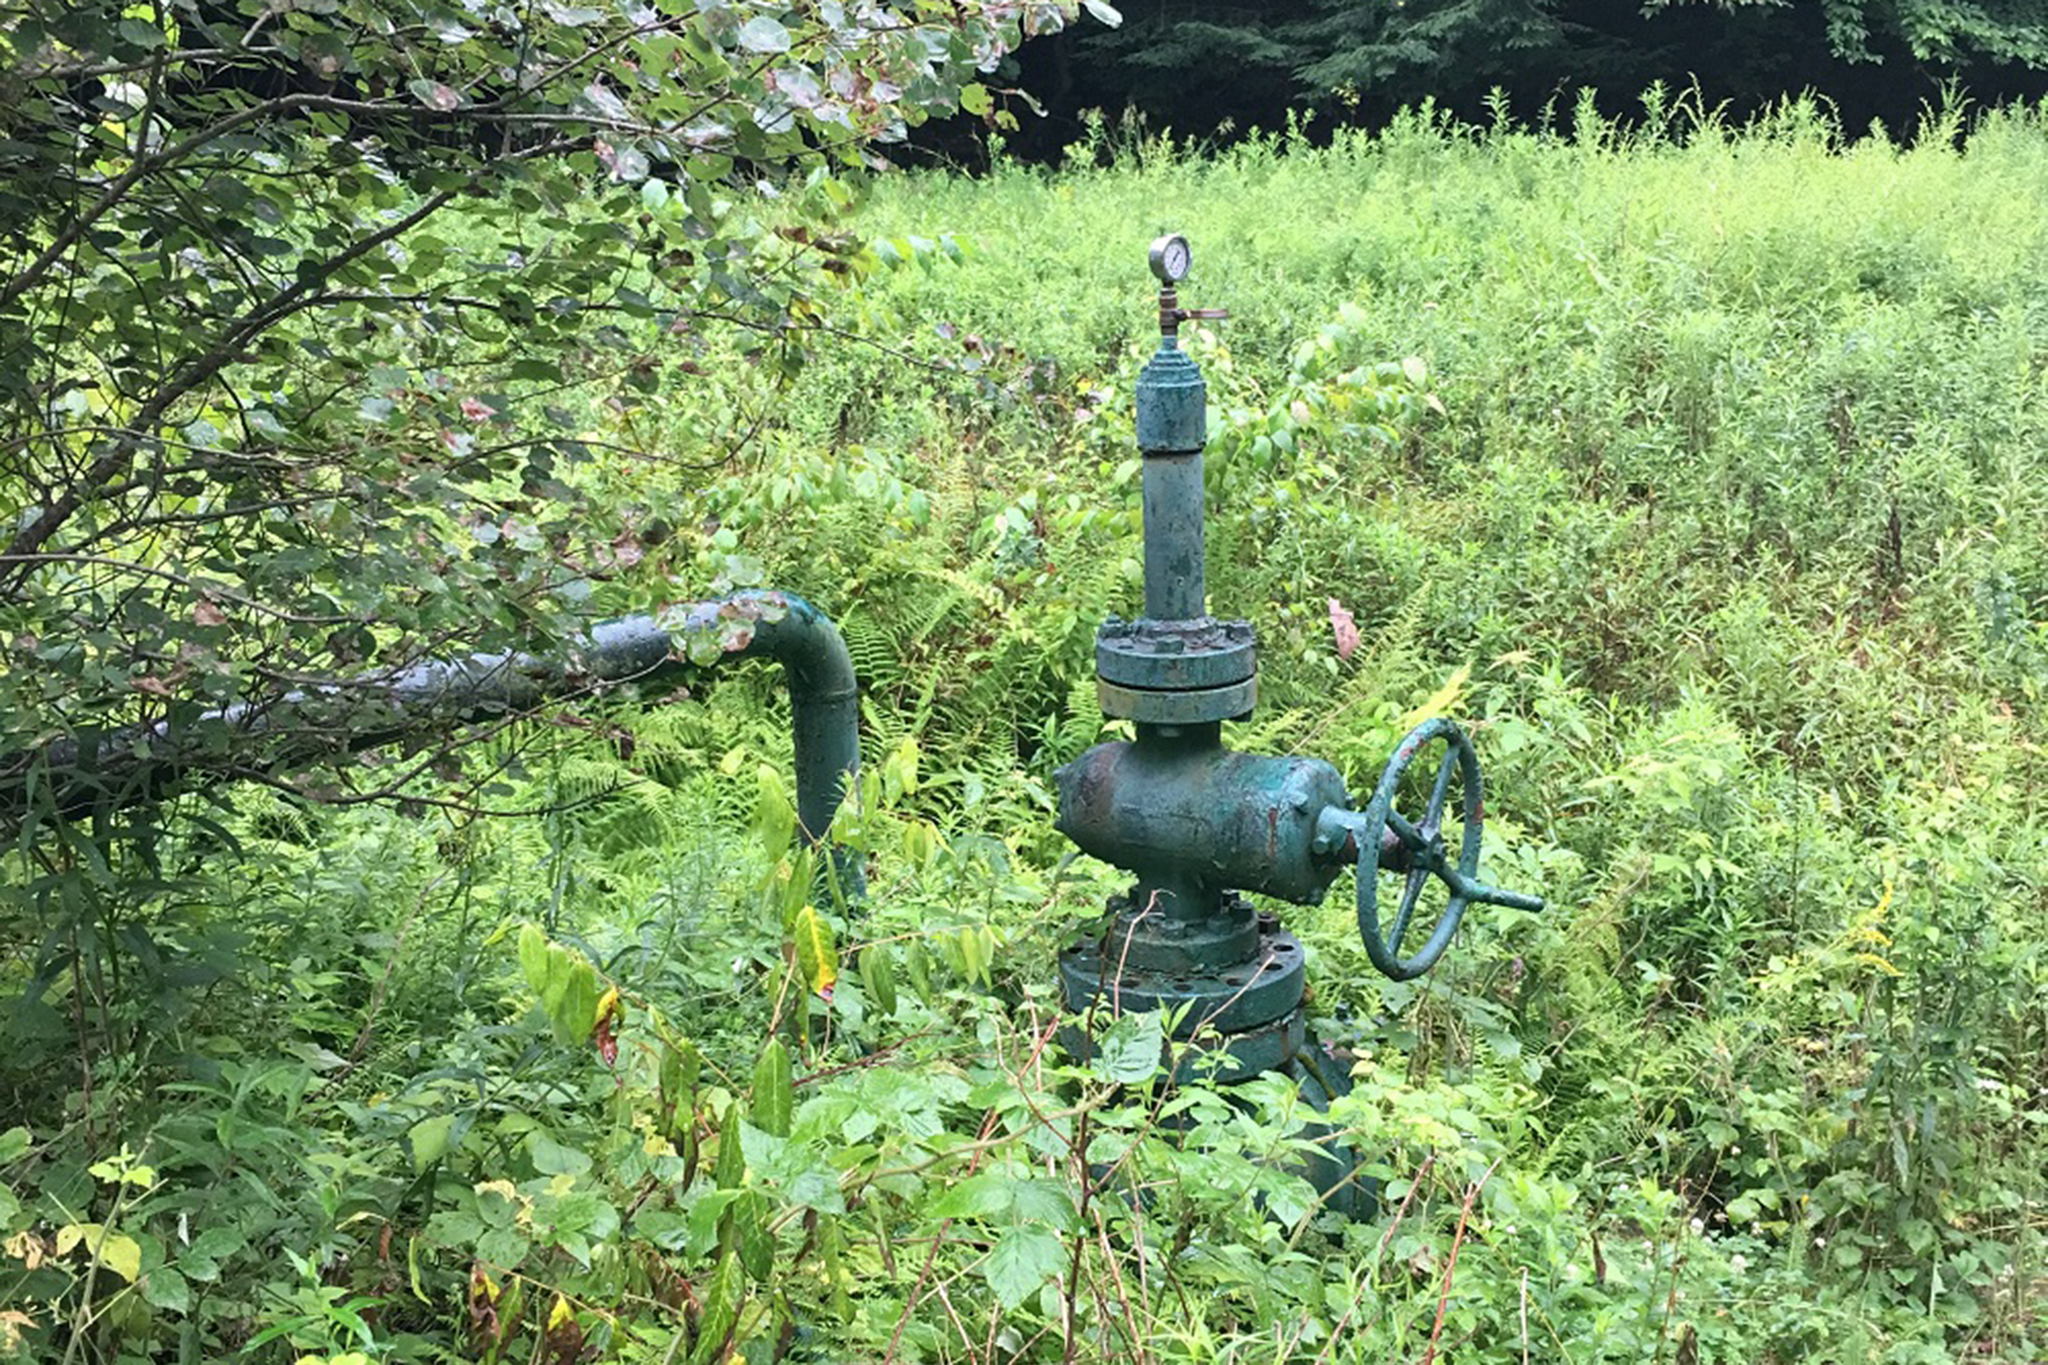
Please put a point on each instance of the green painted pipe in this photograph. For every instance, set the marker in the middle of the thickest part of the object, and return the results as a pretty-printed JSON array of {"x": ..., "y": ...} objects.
[{"x": 108, "y": 771}]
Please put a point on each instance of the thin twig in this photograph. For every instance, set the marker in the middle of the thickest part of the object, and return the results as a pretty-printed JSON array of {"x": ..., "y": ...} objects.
[{"x": 1443, "y": 1302}]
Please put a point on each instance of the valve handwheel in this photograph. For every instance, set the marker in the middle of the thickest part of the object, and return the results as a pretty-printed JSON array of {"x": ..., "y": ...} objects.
[{"x": 1384, "y": 834}]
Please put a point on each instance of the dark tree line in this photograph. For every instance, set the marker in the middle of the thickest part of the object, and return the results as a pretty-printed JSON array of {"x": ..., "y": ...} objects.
[{"x": 1204, "y": 67}]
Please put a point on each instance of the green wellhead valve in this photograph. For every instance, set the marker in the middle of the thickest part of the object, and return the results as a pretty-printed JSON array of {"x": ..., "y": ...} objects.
[{"x": 1198, "y": 824}]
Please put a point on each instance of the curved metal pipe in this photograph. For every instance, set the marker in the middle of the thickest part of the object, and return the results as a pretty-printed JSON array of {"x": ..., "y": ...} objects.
[{"x": 76, "y": 777}]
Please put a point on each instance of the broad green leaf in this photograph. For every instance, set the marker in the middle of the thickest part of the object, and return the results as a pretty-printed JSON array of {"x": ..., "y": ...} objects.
[
  {"x": 774, "y": 813},
  {"x": 763, "y": 34},
  {"x": 774, "y": 1092},
  {"x": 1049, "y": 1202},
  {"x": 830, "y": 1238},
  {"x": 973, "y": 955},
  {"x": 430, "y": 1140},
  {"x": 974, "y": 99},
  {"x": 987, "y": 1195},
  {"x": 503, "y": 1246},
  {"x": 1132, "y": 1048},
  {"x": 681, "y": 1064},
  {"x": 165, "y": 1288},
  {"x": 552, "y": 1158},
  {"x": 533, "y": 957},
  {"x": 917, "y": 961},
  {"x": 756, "y": 1244},
  {"x": 1021, "y": 1261},
  {"x": 201, "y": 1261},
  {"x": 721, "y": 1308},
  {"x": 142, "y": 34},
  {"x": 878, "y": 976},
  {"x": 575, "y": 1012},
  {"x": 730, "y": 1167},
  {"x": 706, "y": 1215}
]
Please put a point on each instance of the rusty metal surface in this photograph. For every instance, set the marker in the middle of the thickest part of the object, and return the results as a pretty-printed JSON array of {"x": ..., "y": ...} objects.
[
  {"x": 298, "y": 728},
  {"x": 1206, "y": 706},
  {"x": 1231, "y": 999},
  {"x": 1385, "y": 839},
  {"x": 1181, "y": 655},
  {"x": 1147, "y": 939},
  {"x": 1238, "y": 821},
  {"x": 1173, "y": 403}
]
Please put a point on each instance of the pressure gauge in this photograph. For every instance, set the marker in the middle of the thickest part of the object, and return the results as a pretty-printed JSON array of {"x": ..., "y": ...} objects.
[{"x": 1171, "y": 258}]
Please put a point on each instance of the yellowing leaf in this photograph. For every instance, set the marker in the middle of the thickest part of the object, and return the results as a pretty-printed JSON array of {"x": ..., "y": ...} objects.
[
  {"x": 122, "y": 1255},
  {"x": 1440, "y": 701},
  {"x": 25, "y": 1247},
  {"x": 816, "y": 957},
  {"x": 11, "y": 1323}
]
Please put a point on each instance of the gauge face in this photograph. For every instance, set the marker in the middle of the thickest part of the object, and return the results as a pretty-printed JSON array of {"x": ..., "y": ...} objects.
[{"x": 1171, "y": 258}]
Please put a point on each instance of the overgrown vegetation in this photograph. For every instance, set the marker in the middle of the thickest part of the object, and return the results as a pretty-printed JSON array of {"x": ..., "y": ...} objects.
[{"x": 1699, "y": 469}]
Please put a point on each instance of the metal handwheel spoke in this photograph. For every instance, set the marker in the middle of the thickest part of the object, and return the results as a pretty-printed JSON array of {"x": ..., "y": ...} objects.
[
  {"x": 1432, "y": 817},
  {"x": 1411, "y": 893},
  {"x": 1407, "y": 833}
]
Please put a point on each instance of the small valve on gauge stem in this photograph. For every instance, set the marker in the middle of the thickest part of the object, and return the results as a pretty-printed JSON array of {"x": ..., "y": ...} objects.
[
  {"x": 1198, "y": 824},
  {"x": 1171, "y": 260}
]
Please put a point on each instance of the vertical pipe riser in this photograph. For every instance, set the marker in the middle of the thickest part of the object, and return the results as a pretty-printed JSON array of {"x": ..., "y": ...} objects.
[
  {"x": 1176, "y": 585},
  {"x": 1172, "y": 429}
]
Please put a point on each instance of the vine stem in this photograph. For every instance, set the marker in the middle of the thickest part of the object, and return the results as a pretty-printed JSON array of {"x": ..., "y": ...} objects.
[
  {"x": 1443, "y": 1302},
  {"x": 1379, "y": 1258}
]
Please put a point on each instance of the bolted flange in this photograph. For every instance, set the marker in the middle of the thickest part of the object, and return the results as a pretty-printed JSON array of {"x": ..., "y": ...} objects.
[
  {"x": 1172, "y": 656},
  {"x": 1236, "y": 977}
]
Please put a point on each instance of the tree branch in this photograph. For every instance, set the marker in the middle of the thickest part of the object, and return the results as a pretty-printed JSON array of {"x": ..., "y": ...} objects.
[{"x": 293, "y": 299}]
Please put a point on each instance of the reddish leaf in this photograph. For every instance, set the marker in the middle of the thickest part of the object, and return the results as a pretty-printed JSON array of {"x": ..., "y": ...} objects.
[{"x": 1345, "y": 627}]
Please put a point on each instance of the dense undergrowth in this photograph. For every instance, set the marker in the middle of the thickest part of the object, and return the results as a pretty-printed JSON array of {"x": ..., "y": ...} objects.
[{"x": 1699, "y": 470}]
